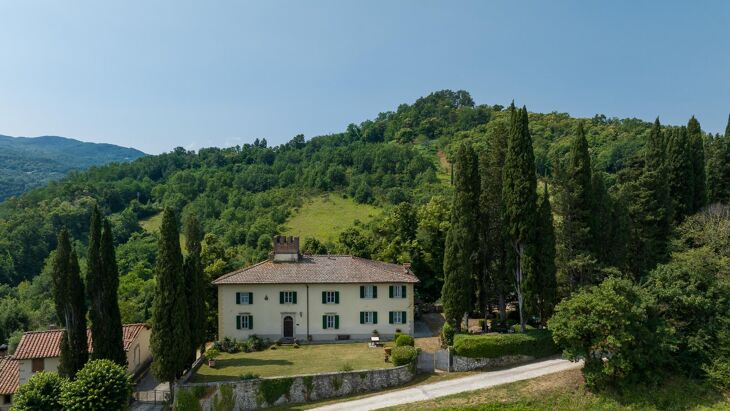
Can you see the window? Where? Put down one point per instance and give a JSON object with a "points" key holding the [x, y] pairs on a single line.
{"points": [[37, 365], [8, 398], [330, 321], [244, 322], [368, 317], [397, 317], [330, 297], [244, 298], [397, 291], [288, 297], [368, 291]]}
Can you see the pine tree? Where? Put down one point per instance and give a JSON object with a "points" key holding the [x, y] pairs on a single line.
{"points": [[649, 209], [110, 344], [542, 297], [697, 149], [68, 293], [461, 256], [577, 206], [680, 174], [519, 185], [170, 340], [195, 282]]}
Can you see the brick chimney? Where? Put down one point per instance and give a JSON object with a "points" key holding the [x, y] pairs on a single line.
{"points": [[286, 249]]}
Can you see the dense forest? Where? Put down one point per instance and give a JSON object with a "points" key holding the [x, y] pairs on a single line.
{"points": [[26, 163], [400, 161]]}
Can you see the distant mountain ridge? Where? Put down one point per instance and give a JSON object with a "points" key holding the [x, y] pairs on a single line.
{"points": [[27, 162]]}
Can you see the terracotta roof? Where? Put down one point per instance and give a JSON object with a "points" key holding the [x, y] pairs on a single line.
{"points": [[322, 269], [47, 344], [8, 375]]}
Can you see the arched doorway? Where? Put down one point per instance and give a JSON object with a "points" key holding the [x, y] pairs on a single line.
{"points": [[288, 327]]}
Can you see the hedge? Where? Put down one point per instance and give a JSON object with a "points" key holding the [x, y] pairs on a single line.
{"points": [[403, 340], [403, 355], [535, 343]]}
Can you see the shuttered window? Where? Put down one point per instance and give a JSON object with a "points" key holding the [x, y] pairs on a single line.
{"points": [[397, 291], [368, 291], [368, 317], [331, 321], [397, 317], [287, 297], [330, 297], [244, 322], [244, 298]]}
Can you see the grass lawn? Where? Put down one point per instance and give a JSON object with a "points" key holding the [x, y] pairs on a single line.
{"points": [[324, 217], [286, 360], [566, 391]]}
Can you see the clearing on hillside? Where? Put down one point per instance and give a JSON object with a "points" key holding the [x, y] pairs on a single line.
{"points": [[325, 217], [152, 225]]}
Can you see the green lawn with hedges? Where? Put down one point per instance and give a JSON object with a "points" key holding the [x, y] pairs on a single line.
{"points": [[535, 343]]}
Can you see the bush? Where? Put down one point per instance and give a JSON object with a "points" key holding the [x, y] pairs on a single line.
{"points": [[212, 354], [404, 340], [447, 335], [100, 385], [536, 343], [396, 335], [186, 401], [248, 376], [516, 328], [41, 392], [403, 355], [346, 367]]}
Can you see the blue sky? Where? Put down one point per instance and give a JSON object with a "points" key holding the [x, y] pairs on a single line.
{"points": [[159, 74]]}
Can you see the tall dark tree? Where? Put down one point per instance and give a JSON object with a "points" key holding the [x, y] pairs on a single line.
{"points": [[195, 284], [680, 174], [697, 150], [718, 168], [496, 283], [68, 294], [649, 209], [519, 194], [95, 277], [461, 256], [110, 344], [610, 228], [170, 340], [577, 209], [541, 299]]}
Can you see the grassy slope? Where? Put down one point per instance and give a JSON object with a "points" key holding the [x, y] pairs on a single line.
{"points": [[566, 391], [286, 360], [325, 216], [152, 225]]}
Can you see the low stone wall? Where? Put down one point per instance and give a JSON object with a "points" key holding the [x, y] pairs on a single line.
{"points": [[266, 392], [468, 364]]}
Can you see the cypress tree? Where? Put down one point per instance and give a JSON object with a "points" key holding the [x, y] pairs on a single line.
{"points": [[519, 185], [680, 174], [110, 344], [195, 284], [697, 150], [542, 297], [461, 255], [577, 208], [68, 293], [718, 168], [95, 279], [650, 209], [170, 340]]}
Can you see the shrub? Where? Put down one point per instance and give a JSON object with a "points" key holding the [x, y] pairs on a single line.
{"points": [[447, 335], [346, 367], [535, 343], [255, 343], [186, 401], [212, 354], [295, 345], [403, 355], [516, 328], [100, 385], [248, 376], [404, 340], [396, 335], [271, 390], [41, 392]]}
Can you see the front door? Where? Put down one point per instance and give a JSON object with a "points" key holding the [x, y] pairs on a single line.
{"points": [[288, 327]]}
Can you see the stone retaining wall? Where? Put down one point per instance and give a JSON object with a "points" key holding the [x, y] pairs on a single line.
{"points": [[253, 394], [468, 364]]}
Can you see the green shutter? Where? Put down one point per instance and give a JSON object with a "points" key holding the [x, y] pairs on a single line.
{"points": [[337, 297], [337, 322], [375, 317], [324, 297], [324, 322], [250, 322], [250, 298], [281, 297], [362, 291], [238, 298], [375, 291], [403, 291], [362, 317], [403, 317], [294, 297], [238, 322], [390, 291], [390, 317]]}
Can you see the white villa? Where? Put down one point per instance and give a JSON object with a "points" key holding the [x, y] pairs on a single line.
{"points": [[320, 297]]}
